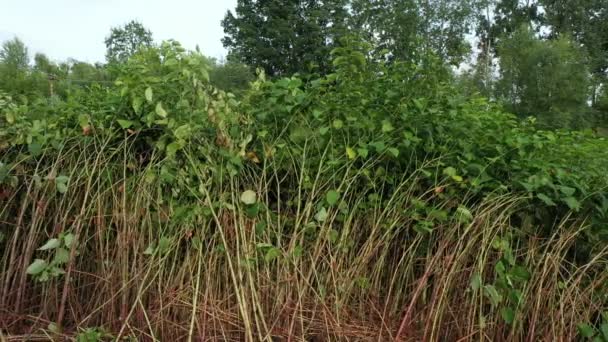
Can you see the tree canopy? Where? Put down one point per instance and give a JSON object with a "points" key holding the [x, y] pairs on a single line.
{"points": [[125, 40], [285, 37]]}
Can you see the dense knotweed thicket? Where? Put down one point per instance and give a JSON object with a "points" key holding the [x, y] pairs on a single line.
{"points": [[372, 203]]}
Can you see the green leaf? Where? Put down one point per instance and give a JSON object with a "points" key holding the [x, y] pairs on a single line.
{"points": [[61, 256], [338, 124], [150, 249], [508, 315], [271, 254], [546, 199], [457, 178], [566, 190], [249, 197], [137, 103], [35, 149], [520, 273], [393, 151], [125, 123], [260, 227], [68, 239], [476, 282], [160, 111], [491, 292], [387, 126], [585, 330], [424, 227], [363, 152], [321, 215], [83, 120], [36, 267], [252, 210], [323, 130], [10, 117], [183, 132], [61, 183], [173, 148], [52, 327], [604, 330], [464, 214], [351, 153], [51, 244], [333, 235], [148, 94], [332, 197], [62, 188], [572, 203], [450, 171], [164, 244]]}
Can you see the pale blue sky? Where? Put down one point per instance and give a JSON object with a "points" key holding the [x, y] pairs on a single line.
{"points": [[77, 28]]}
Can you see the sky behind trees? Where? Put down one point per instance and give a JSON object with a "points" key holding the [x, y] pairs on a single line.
{"points": [[76, 29]]}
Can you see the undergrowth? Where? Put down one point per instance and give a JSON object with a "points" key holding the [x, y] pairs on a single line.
{"points": [[369, 204]]}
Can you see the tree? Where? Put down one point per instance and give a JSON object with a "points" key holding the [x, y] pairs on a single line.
{"points": [[587, 22], [285, 37], [14, 55], [408, 28], [508, 17], [546, 79], [43, 64], [124, 41], [14, 67]]}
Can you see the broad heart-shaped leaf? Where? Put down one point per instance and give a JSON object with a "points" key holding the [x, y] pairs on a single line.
{"points": [[83, 120], [125, 123], [321, 215], [450, 171], [393, 151], [61, 183], [546, 199], [148, 94], [585, 330], [519, 273], [508, 315], [10, 117], [492, 294], [332, 197], [249, 197], [61, 256], [351, 153], [566, 190], [387, 126], [51, 244], [150, 249], [160, 111], [68, 239], [36, 267], [458, 178], [137, 103], [272, 254], [164, 244], [572, 203], [62, 188], [476, 282], [35, 149], [363, 152], [54, 328]]}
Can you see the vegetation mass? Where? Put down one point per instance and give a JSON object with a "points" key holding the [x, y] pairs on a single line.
{"points": [[349, 173]]}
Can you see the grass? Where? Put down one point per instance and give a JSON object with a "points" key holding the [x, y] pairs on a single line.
{"points": [[149, 265]]}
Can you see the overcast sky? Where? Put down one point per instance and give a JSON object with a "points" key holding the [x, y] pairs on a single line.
{"points": [[77, 28]]}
